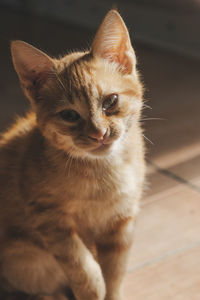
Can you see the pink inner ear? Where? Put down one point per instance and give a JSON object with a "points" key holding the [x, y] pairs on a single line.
{"points": [[36, 73], [31, 64], [112, 42], [119, 56]]}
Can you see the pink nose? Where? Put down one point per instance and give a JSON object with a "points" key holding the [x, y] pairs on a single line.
{"points": [[98, 135]]}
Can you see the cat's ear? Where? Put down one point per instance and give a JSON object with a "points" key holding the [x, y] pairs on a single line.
{"points": [[32, 65], [112, 42]]}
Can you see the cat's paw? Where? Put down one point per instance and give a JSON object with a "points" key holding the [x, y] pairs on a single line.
{"points": [[97, 282], [94, 288]]}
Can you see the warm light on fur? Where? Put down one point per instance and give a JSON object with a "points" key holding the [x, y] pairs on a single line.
{"points": [[69, 190]]}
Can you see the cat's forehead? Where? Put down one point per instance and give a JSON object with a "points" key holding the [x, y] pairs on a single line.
{"points": [[69, 59], [88, 78]]}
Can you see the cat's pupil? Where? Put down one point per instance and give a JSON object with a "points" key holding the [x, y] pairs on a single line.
{"points": [[110, 102], [69, 115]]}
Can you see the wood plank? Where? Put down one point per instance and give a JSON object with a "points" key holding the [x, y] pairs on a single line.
{"points": [[174, 278], [157, 184], [169, 224], [188, 170]]}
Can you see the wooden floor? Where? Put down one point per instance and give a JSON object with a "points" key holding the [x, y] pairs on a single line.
{"points": [[165, 259]]}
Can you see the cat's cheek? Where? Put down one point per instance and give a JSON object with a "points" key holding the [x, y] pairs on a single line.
{"points": [[62, 142], [129, 120], [58, 140], [117, 145]]}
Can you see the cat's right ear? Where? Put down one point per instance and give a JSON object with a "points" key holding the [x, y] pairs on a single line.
{"points": [[32, 65]]}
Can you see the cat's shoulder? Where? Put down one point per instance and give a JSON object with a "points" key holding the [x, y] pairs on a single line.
{"points": [[14, 141], [18, 130]]}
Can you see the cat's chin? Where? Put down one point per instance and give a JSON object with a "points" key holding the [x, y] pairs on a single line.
{"points": [[106, 150], [95, 153], [98, 152], [102, 149]]}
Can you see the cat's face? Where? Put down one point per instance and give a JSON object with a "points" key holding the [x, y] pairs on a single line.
{"points": [[85, 102], [89, 109]]}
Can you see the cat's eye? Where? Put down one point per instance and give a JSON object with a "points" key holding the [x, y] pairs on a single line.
{"points": [[110, 102], [69, 115]]}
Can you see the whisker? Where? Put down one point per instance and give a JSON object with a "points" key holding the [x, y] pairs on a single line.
{"points": [[59, 80], [148, 139], [61, 83], [69, 162], [150, 119], [147, 106]]}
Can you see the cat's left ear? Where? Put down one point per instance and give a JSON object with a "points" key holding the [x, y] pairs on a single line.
{"points": [[112, 42]]}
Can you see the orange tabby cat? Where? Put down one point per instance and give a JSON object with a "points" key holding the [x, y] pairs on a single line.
{"points": [[72, 170]]}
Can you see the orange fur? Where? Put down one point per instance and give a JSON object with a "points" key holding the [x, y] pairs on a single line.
{"points": [[69, 190]]}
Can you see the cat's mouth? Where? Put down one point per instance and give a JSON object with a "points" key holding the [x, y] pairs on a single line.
{"points": [[100, 149]]}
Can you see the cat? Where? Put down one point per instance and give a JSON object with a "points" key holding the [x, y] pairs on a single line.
{"points": [[72, 171]]}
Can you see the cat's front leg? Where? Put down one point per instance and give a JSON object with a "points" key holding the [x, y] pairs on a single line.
{"points": [[113, 249], [83, 272], [26, 268]]}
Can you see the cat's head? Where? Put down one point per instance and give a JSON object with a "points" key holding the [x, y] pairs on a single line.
{"points": [[85, 102]]}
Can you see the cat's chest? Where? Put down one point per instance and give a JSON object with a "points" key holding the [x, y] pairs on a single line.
{"points": [[87, 184], [94, 199]]}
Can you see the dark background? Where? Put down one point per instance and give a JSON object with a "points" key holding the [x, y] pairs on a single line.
{"points": [[165, 37]]}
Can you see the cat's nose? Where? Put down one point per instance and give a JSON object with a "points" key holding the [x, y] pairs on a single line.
{"points": [[98, 136]]}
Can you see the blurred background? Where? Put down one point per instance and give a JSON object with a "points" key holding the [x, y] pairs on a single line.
{"points": [[165, 260]]}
